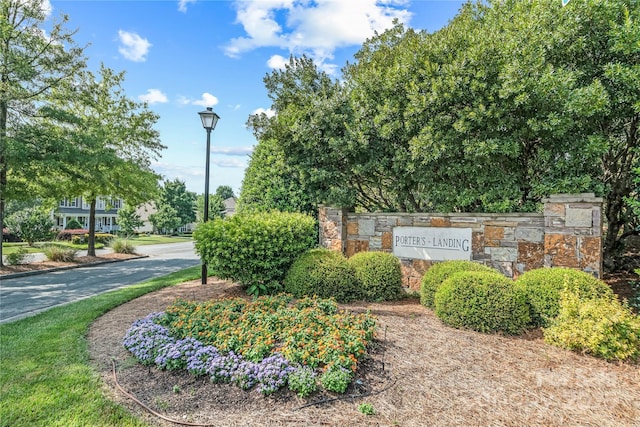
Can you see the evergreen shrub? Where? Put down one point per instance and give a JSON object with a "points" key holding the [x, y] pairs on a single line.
{"points": [[379, 275], [323, 273], [603, 327], [484, 301], [103, 238], [544, 285], [17, 257], [73, 224], [438, 273], [68, 234], [255, 249]]}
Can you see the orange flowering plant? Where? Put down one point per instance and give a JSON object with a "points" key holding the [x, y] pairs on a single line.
{"points": [[311, 332]]}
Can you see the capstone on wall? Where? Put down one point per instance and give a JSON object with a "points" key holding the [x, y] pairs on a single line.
{"points": [[568, 233]]}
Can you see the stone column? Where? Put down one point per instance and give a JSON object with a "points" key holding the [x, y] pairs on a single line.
{"points": [[332, 228], [573, 232]]}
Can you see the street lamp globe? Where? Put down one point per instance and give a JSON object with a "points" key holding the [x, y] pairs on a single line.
{"points": [[209, 119]]}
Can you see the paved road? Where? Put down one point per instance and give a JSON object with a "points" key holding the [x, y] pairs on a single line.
{"points": [[26, 296]]}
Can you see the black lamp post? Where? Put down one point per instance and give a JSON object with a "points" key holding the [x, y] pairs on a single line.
{"points": [[209, 121]]}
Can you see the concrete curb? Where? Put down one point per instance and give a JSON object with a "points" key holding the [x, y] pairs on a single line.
{"points": [[66, 267]]}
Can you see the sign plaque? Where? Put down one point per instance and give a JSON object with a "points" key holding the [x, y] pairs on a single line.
{"points": [[432, 243]]}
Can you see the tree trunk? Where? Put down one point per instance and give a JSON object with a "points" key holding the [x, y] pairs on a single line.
{"points": [[613, 214], [3, 168], [91, 241]]}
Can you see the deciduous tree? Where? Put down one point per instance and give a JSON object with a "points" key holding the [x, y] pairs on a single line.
{"points": [[174, 193], [32, 62], [110, 141]]}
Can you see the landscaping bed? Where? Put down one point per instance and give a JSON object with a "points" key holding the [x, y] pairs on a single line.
{"points": [[49, 265], [420, 372]]}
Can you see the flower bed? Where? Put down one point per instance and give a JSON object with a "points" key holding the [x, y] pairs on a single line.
{"points": [[259, 343]]}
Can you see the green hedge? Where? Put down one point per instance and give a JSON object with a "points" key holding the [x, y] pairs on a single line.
{"points": [[438, 273], [543, 287], [484, 301], [323, 273], [379, 275], [255, 249]]}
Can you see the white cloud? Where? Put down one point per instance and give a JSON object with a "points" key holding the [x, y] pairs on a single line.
{"points": [[269, 112], [232, 151], [315, 28], [207, 100], [228, 163], [182, 5], [153, 96], [134, 47], [277, 62]]}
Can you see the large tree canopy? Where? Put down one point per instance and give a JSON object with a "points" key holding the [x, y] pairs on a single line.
{"points": [[511, 101], [32, 62], [108, 141]]}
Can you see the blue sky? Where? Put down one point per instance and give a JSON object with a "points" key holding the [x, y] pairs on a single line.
{"points": [[183, 56]]}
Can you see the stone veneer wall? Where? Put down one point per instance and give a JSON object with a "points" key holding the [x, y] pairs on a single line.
{"points": [[567, 234]]}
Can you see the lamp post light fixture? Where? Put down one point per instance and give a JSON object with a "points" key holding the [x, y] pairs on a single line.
{"points": [[209, 120]]}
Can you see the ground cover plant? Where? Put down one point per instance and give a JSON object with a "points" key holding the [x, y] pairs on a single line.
{"points": [[45, 371], [259, 343]]}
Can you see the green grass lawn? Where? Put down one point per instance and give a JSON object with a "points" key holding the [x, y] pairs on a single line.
{"points": [[45, 377], [156, 239]]}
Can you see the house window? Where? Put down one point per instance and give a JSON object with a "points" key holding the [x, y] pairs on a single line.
{"points": [[69, 203]]}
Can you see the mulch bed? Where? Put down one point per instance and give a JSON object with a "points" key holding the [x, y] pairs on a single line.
{"points": [[48, 265], [420, 372]]}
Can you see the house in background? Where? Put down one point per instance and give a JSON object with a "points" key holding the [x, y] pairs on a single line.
{"points": [[143, 211], [229, 206], [77, 208], [107, 214]]}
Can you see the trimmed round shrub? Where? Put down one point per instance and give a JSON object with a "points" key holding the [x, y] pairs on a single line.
{"points": [[543, 287], [379, 275], [73, 224], [602, 327], [484, 301], [438, 273], [255, 249], [323, 273]]}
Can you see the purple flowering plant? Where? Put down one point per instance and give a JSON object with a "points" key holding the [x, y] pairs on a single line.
{"points": [[254, 344]]}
